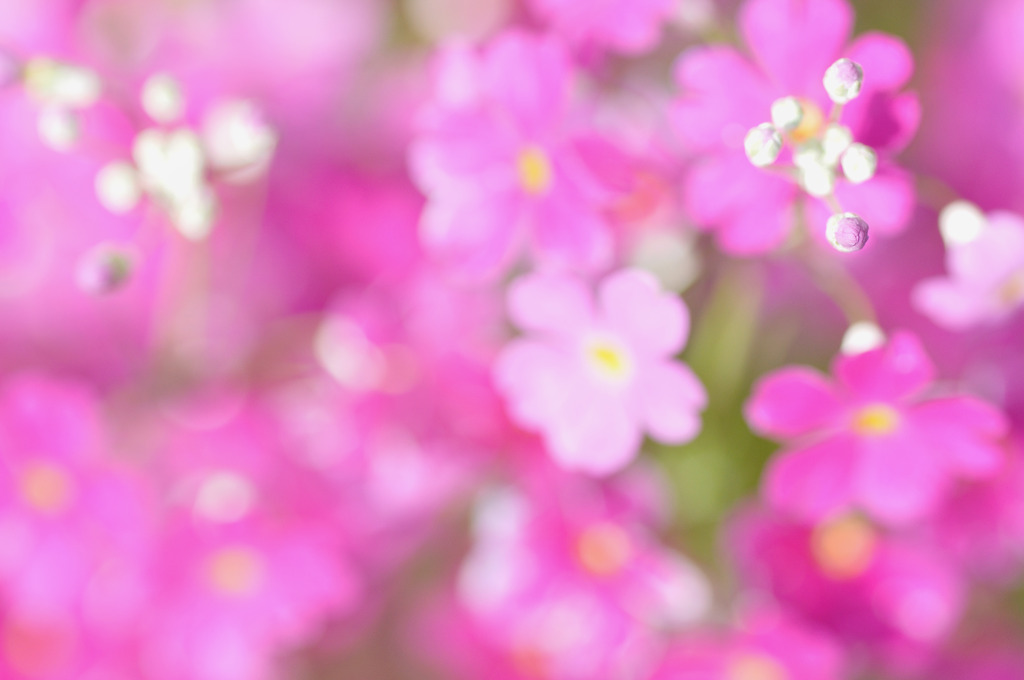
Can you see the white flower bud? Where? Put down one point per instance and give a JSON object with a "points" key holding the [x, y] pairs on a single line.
{"points": [[787, 113], [818, 179], [162, 98], [843, 81], [763, 145], [859, 163], [961, 222], [836, 140], [117, 187], [58, 128], [862, 336]]}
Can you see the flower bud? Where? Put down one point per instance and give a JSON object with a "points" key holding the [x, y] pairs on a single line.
{"points": [[763, 145], [862, 336], [960, 222], [835, 140], [162, 98], [846, 232], [787, 113], [105, 268], [117, 187], [843, 81], [859, 163]]}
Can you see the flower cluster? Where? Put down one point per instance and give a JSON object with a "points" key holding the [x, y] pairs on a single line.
{"points": [[514, 339]]}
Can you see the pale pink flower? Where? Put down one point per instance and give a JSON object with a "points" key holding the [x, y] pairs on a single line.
{"points": [[592, 375]]}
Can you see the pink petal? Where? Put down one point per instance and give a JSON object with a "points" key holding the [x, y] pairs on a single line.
{"points": [[884, 121], [568, 231], [528, 76], [475, 239], [796, 40], [813, 482], [719, 89], [886, 60], [967, 430], [550, 303], [886, 201], [951, 304], [899, 478], [633, 304], [533, 379], [593, 432], [792, 402], [890, 373], [671, 398], [750, 208]]}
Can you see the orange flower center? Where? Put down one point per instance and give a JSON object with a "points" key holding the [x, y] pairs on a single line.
{"points": [[235, 571], [604, 549], [756, 666], [811, 124], [844, 548], [46, 487]]}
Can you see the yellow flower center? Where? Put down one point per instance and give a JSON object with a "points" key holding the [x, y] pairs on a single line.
{"points": [[609, 360], [811, 124], [756, 666], [46, 488], [534, 170], [876, 420], [603, 549], [235, 571], [844, 548]]}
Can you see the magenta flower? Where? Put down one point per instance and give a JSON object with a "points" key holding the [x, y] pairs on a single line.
{"points": [[593, 375], [765, 646], [894, 595], [872, 439], [725, 94], [985, 261], [629, 26], [495, 158]]}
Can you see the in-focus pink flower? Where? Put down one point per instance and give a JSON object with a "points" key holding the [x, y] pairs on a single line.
{"points": [[630, 26], [496, 160], [724, 94], [593, 375], [873, 438], [985, 261]]}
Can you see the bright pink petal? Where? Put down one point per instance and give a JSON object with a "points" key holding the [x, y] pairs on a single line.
{"points": [[884, 121], [750, 209], [719, 91], [890, 373], [792, 402], [796, 40], [886, 60], [550, 303], [899, 478], [633, 304], [815, 481], [886, 201], [671, 398], [967, 430]]}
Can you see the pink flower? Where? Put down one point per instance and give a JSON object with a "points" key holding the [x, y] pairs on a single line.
{"points": [[765, 646], [897, 597], [496, 160], [985, 261], [629, 26], [593, 375], [872, 439], [725, 94]]}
